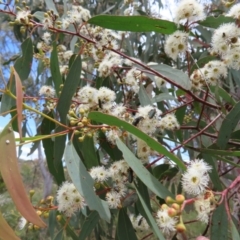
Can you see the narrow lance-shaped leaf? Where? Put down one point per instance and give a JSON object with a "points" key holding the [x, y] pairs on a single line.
{"points": [[176, 75], [234, 231], [134, 24], [10, 173], [149, 180], [150, 218], [23, 68], [143, 97], [228, 126], [84, 182], [114, 121], [88, 225], [219, 225], [125, 229], [6, 231], [64, 102], [55, 71], [19, 102], [215, 22], [51, 6]]}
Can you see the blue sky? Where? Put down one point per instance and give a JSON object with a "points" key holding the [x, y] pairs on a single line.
{"points": [[25, 148]]}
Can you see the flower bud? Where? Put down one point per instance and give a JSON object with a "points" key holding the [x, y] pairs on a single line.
{"points": [[172, 212], [35, 227], [175, 206], [180, 199], [164, 206], [169, 200], [31, 192], [39, 213], [180, 228], [46, 214]]}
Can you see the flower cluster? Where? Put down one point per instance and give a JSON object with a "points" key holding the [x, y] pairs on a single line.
{"points": [[91, 98], [47, 91], [116, 176], [176, 43], [166, 223], [226, 43], [195, 180], [210, 74], [204, 206], [189, 11], [69, 199]]}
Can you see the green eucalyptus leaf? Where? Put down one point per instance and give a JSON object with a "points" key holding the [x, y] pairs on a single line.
{"points": [[125, 230], [114, 121], [234, 231], [51, 6], [143, 174], [160, 169], [70, 86], [24, 63], [163, 97], [23, 67], [59, 145], [60, 235], [215, 22], [220, 92], [213, 174], [219, 224], [52, 223], [88, 225], [176, 75], [39, 15], [89, 152], [143, 97], [84, 182], [54, 67], [151, 221], [134, 24], [228, 126], [46, 128]]}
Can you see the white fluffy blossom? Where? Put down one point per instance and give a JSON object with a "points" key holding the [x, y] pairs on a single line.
{"points": [[168, 122], [210, 74], [47, 91], [165, 222], [78, 15], [195, 180], [109, 61], [88, 96], [113, 199], [203, 207], [147, 119], [176, 43], [69, 199], [47, 38], [132, 79], [23, 15], [47, 22], [22, 223], [106, 95], [160, 82], [224, 38], [118, 167], [234, 11], [99, 174], [189, 10]]}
